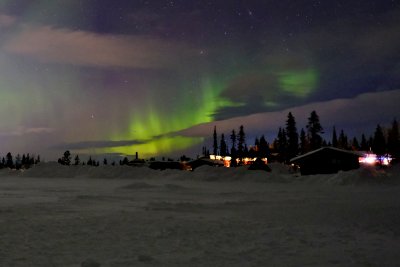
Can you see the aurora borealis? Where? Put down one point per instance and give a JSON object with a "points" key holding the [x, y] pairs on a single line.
{"points": [[116, 77]]}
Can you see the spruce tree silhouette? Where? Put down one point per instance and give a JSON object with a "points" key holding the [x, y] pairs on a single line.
{"points": [[77, 160], [90, 161], [215, 142], [394, 140], [233, 140], [292, 137], [66, 159], [18, 162], [263, 151], [241, 142], [379, 143], [364, 144], [315, 130], [9, 161], [342, 141], [304, 144], [334, 138], [355, 145], [222, 146], [280, 145]]}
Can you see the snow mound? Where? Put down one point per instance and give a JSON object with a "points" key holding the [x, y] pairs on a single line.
{"points": [[280, 173], [55, 170], [369, 175], [363, 176]]}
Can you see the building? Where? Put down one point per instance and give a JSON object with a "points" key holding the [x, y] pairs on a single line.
{"points": [[327, 160]]}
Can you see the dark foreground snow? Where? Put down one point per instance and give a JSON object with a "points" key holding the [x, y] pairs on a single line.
{"points": [[54, 216]]}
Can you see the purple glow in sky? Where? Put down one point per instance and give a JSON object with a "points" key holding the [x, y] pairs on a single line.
{"points": [[116, 77]]}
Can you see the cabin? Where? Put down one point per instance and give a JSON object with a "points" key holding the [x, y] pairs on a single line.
{"points": [[326, 160]]}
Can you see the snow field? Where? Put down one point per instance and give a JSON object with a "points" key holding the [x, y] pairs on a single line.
{"points": [[54, 215]]}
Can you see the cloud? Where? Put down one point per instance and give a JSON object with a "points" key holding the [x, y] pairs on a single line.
{"points": [[365, 110], [7, 21], [47, 44], [20, 131], [280, 81], [99, 144]]}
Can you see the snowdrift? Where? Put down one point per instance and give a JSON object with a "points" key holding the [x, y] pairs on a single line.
{"points": [[280, 174], [54, 215]]}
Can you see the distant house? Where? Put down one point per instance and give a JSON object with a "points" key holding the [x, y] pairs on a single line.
{"points": [[327, 160]]}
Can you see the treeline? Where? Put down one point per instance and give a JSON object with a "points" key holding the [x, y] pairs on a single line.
{"points": [[290, 143], [66, 159], [24, 162]]}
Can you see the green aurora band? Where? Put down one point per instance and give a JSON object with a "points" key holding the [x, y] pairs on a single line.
{"points": [[155, 129], [300, 83]]}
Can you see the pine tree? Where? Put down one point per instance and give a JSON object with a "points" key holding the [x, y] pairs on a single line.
{"points": [[263, 150], [304, 145], [292, 137], [364, 144], [215, 142], [354, 144], [77, 160], [253, 151], [66, 159], [125, 161], [343, 142], [233, 140], [18, 162], [257, 143], [379, 143], [30, 159], [334, 138], [245, 151], [9, 161], [24, 160], [315, 130], [223, 147], [281, 144], [394, 140], [241, 141], [370, 143]]}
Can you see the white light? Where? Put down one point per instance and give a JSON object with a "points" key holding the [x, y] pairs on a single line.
{"points": [[385, 161], [370, 159]]}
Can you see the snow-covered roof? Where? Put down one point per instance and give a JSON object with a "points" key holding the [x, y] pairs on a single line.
{"points": [[324, 148]]}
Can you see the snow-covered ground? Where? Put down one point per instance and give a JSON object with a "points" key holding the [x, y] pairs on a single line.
{"points": [[54, 215]]}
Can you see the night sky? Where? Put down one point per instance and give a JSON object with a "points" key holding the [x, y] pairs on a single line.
{"points": [[116, 77]]}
